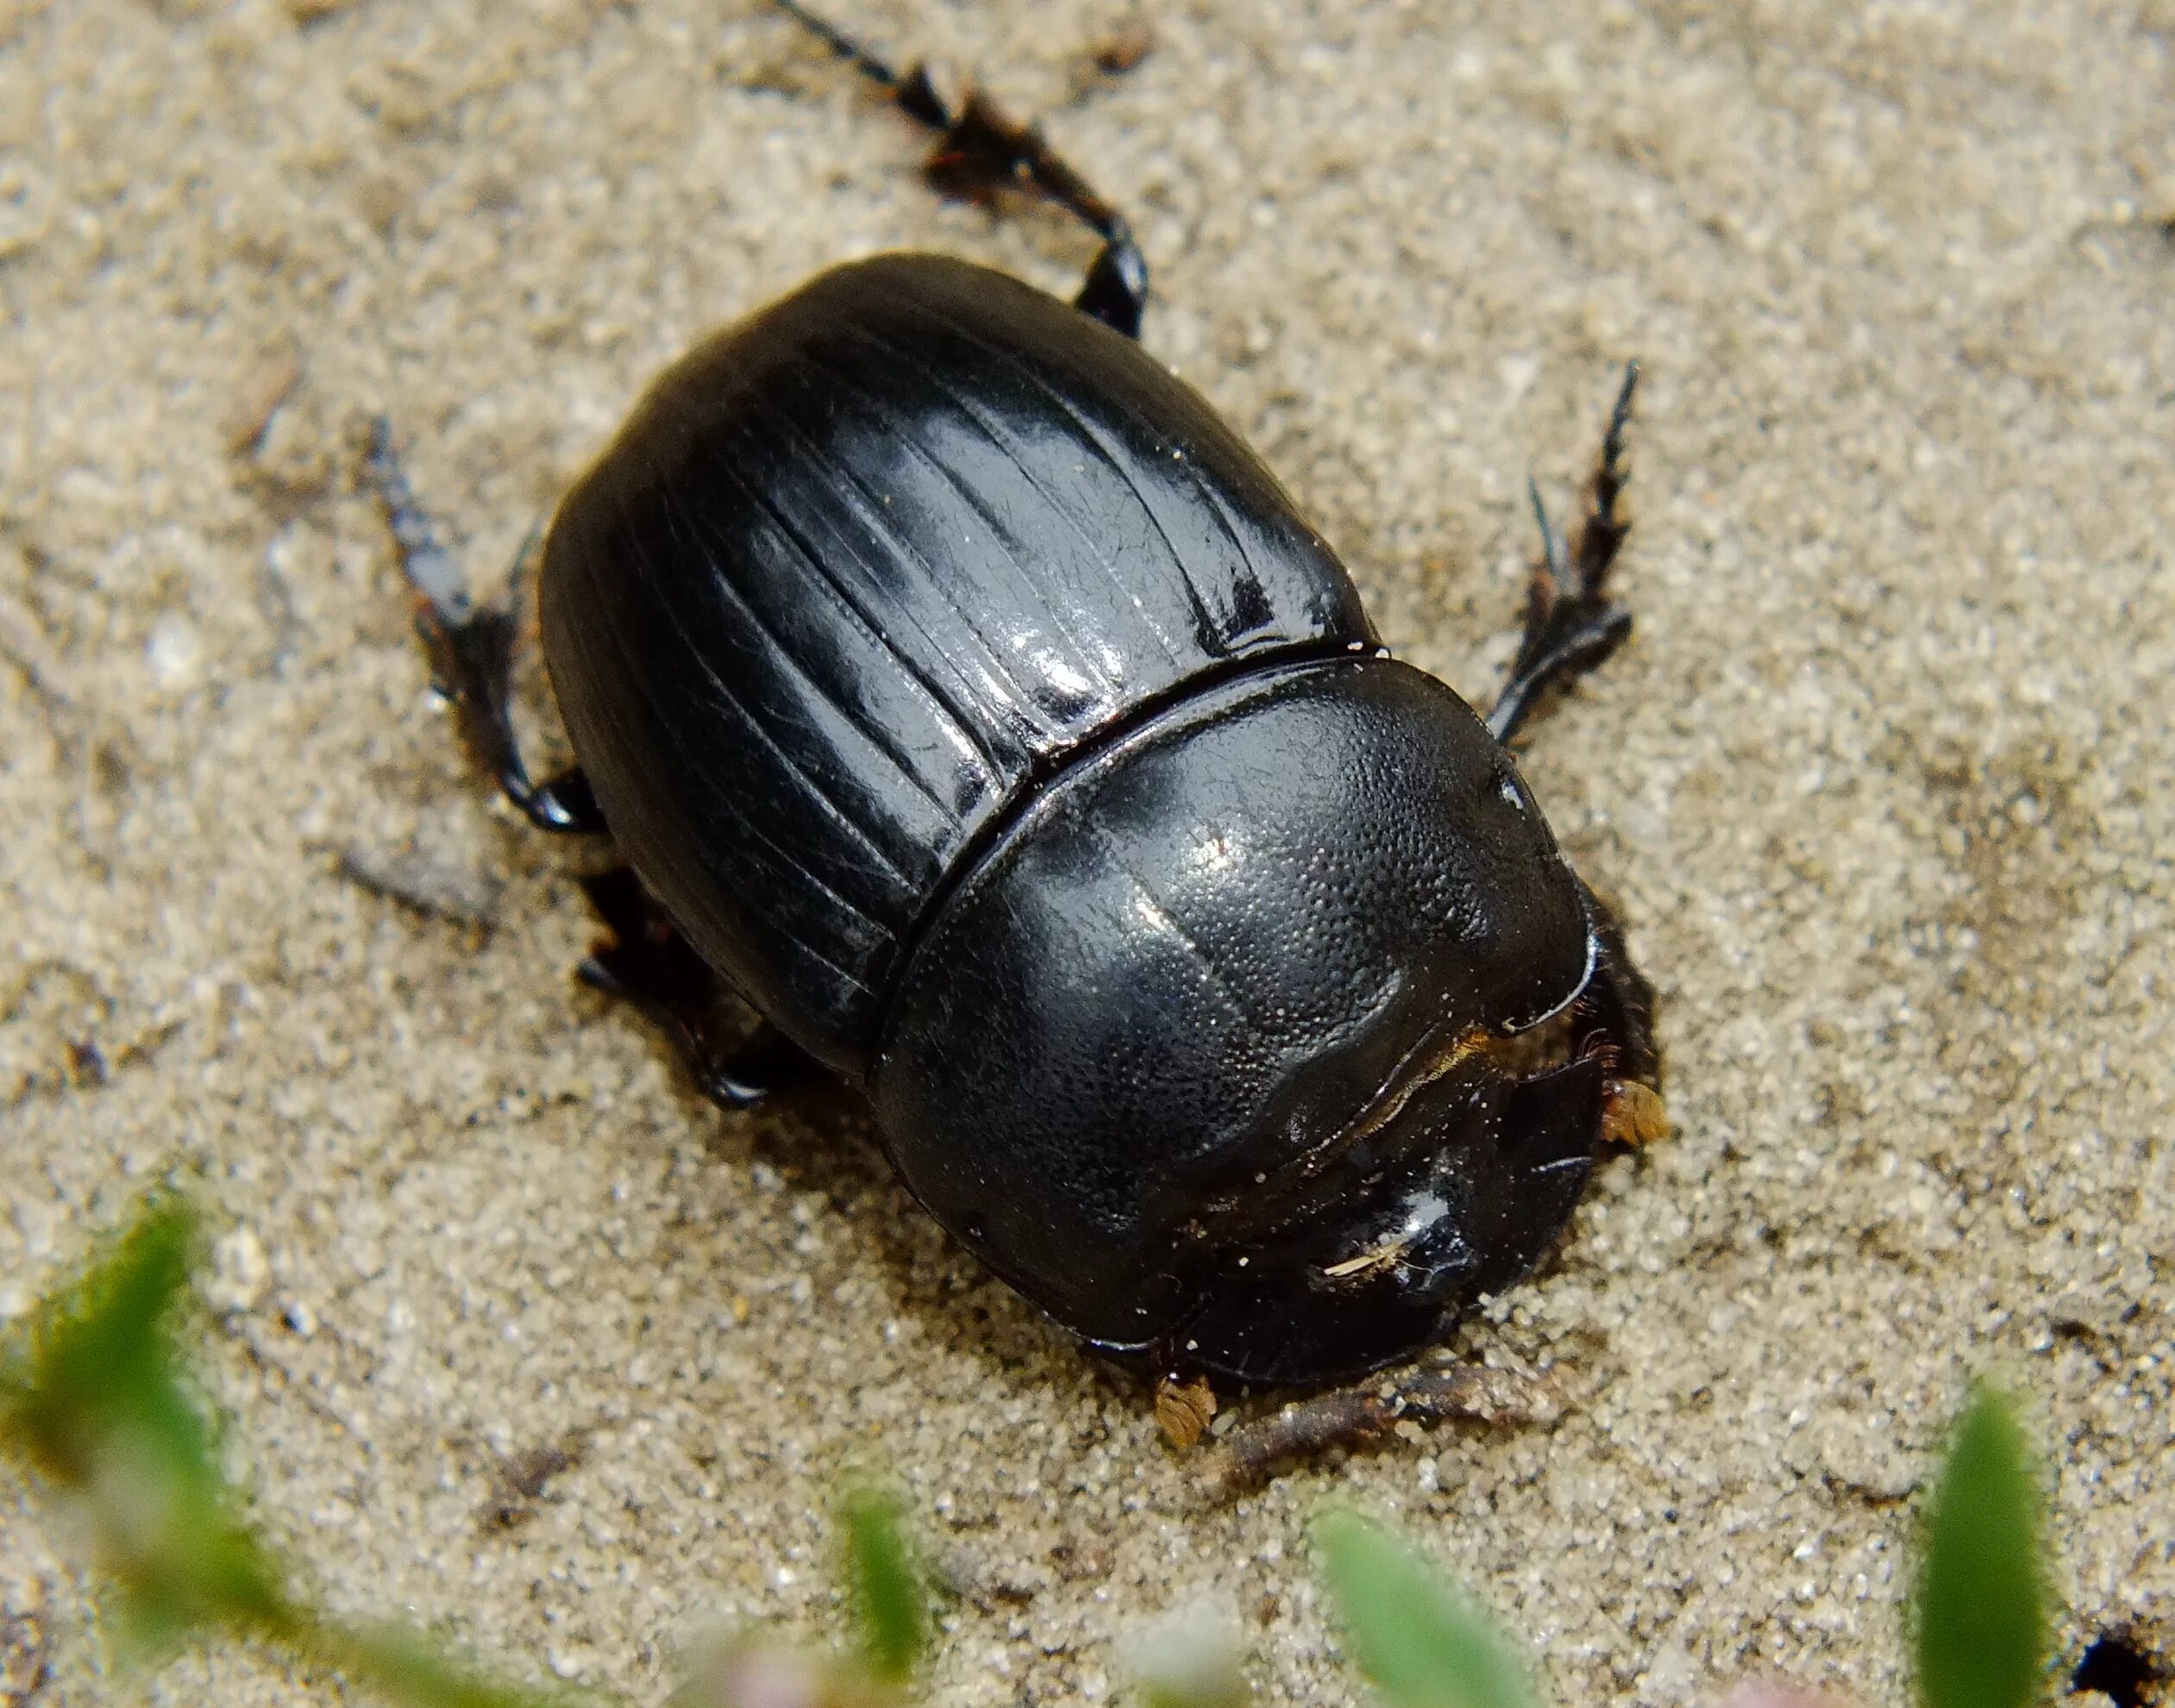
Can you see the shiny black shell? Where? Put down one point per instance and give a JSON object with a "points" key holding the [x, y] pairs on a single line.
{"points": [[864, 569], [983, 710]]}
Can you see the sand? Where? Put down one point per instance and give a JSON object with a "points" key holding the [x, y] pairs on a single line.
{"points": [[1881, 783]]}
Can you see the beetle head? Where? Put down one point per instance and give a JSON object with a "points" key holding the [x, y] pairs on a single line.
{"points": [[1455, 1193]]}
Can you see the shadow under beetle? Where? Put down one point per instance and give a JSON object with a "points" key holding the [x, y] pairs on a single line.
{"points": [[967, 699]]}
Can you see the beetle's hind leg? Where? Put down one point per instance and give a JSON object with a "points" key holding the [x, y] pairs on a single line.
{"points": [[980, 150], [646, 962], [471, 649], [1571, 623]]}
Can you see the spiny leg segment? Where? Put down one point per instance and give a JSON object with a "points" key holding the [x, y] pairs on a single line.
{"points": [[1571, 624], [471, 648]]}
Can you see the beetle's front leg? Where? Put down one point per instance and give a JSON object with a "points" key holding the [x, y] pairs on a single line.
{"points": [[1369, 1411], [980, 149], [646, 962], [1571, 625], [471, 649]]}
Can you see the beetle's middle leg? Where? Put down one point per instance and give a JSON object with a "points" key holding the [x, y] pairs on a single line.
{"points": [[1571, 623], [471, 647], [646, 962], [980, 149]]}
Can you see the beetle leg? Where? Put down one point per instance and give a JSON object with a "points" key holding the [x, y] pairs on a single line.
{"points": [[1615, 1019], [1571, 625], [1615, 1014], [980, 149], [1367, 1413], [471, 648], [646, 962]]}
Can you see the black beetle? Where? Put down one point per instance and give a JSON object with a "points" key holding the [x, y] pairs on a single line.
{"points": [[968, 700]]}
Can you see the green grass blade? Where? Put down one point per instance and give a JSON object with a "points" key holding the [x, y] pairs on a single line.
{"points": [[89, 1397], [94, 1355], [1411, 1634], [92, 1398], [890, 1605], [1982, 1615]]}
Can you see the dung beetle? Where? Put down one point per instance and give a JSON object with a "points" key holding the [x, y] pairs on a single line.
{"points": [[968, 701]]}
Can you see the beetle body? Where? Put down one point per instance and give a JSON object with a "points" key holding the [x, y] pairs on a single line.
{"points": [[984, 714]]}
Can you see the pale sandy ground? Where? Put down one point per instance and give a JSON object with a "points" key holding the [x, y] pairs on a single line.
{"points": [[1883, 784]]}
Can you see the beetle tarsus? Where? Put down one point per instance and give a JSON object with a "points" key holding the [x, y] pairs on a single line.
{"points": [[1571, 624], [1368, 1412], [1116, 290], [1604, 530], [981, 150], [646, 962], [564, 802], [875, 70], [471, 648]]}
